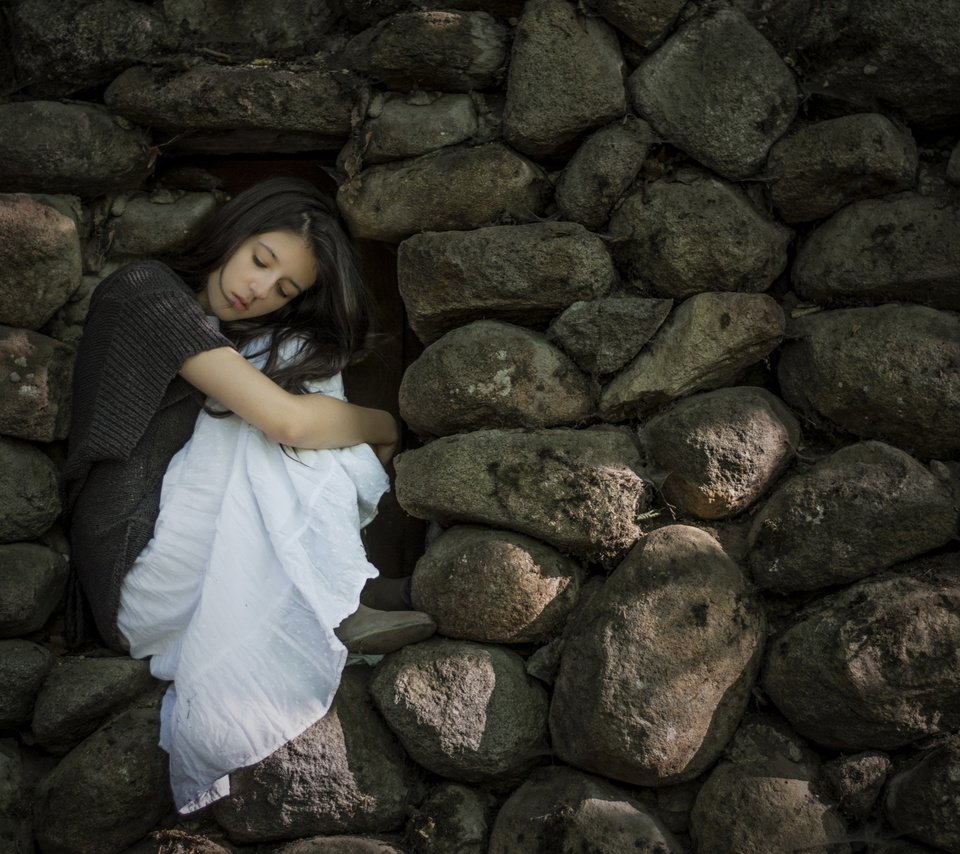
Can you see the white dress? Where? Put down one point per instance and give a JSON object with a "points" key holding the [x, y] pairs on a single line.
{"points": [[256, 558]]}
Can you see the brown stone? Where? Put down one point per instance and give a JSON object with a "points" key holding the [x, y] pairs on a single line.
{"points": [[35, 377]]}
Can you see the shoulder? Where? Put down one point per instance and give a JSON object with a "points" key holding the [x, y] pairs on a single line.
{"points": [[140, 280]]}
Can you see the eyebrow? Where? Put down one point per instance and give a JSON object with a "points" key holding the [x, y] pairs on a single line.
{"points": [[275, 258]]}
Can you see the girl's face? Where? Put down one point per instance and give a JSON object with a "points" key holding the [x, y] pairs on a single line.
{"points": [[264, 274]]}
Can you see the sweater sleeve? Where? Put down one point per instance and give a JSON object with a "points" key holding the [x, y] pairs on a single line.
{"points": [[144, 322]]}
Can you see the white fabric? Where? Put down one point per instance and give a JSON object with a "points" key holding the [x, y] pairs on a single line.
{"points": [[256, 558]]}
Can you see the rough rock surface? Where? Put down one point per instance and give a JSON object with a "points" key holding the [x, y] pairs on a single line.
{"points": [[576, 489], [519, 589], [923, 800], [714, 454], [656, 672], [69, 148], [771, 778], [890, 372], [39, 261], [717, 90], [29, 492], [463, 710], [35, 377], [855, 782], [953, 166], [399, 125], [339, 845], [602, 335], [80, 692], [519, 273], [565, 78], [345, 774], [707, 341], [562, 809], [63, 46], [454, 188], [825, 165], [15, 835], [32, 582], [695, 233], [450, 50], [601, 170], [860, 510], [23, 667], [177, 841], [871, 667], [453, 819], [493, 374], [66, 325], [645, 23], [151, 226], [902, 248], [107, 792]]}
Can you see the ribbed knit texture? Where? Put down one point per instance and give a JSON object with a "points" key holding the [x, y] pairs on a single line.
{"points": [[131, 414]]}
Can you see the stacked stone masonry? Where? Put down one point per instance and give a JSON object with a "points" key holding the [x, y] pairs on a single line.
{"points": [[687, 276]]}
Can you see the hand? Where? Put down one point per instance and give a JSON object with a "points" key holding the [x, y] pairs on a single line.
{"points": [[385, 452]]}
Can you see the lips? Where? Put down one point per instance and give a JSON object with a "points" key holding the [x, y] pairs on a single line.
{"points": [[238, 303]]}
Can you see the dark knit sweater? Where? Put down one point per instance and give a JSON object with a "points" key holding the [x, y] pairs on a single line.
{"points": [[131, 414]]}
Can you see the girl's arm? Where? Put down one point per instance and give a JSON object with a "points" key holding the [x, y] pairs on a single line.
{"points": [[313, 421]]}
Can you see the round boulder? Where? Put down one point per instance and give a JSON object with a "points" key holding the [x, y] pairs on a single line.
{"points": [[657, 670], [39, 261], [645, 23], [32, 582], [462, 710], [888, 373], [695, 233], [29, 491], [161, 224], [873, 666], [714, 454], [561, 809], [493, 374], [862, 509], [23, 667], [519, 589]]}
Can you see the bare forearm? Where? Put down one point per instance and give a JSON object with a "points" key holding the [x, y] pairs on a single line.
{"points": [[326, 422]]}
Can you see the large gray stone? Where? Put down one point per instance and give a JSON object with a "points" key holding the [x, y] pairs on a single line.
{"points": [[48, 147], [714, 454], [707, 341], [29, 492], [873, 666], [161, 224], [63, 46], [227, 109], [80, 692], [518, 273], [454, 188], [823, 166], [35, 385], [602, 335], [32, 581], [345, 774], [449, 50], [603, 167], [107, 792], [860, 510], [881, 250], [717, 90], [519, 589], [695, 233], [15, 835], [645, 22], [493, 374], [656, 672], [765, 797], [887, 373], [561, 809], [39, 261], [463, 710], [23, 667], [576, 489], [923, 799], [453, 819], [566, 78]]}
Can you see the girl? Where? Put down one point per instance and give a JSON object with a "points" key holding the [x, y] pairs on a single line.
{"points": [[231, 558]]}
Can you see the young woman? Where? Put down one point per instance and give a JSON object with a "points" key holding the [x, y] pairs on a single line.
{"points": [[226, 546]]}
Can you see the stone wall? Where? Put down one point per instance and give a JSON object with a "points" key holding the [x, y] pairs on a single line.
{"points": [[688, 275]]}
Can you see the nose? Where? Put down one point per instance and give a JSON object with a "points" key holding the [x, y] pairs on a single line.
{"points": [[259, 288]]}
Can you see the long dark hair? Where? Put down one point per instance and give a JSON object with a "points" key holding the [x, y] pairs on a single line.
{"points": [[330, 320]]}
